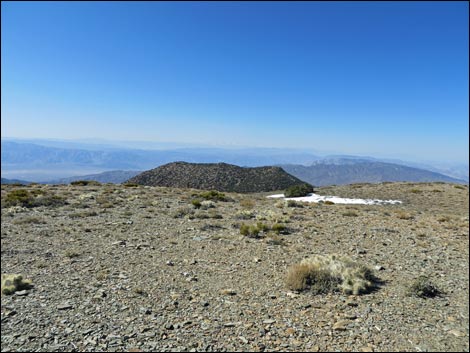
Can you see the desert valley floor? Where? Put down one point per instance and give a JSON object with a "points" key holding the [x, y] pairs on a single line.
{"points": [[118, 268]]}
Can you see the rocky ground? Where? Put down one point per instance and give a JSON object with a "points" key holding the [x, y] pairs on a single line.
{"points": [[138, 269]]}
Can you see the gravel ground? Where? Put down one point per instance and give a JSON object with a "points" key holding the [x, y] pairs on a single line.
{"points": [[139, 269]]}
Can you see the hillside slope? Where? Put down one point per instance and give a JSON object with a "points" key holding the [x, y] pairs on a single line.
{"points": [[217, 176], [113, 176]]}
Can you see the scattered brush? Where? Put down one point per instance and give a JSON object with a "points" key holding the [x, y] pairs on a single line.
{"points": [[350, 214], [423, 288], [35, 198], [293, 203], [247, 203], [325, 274]]}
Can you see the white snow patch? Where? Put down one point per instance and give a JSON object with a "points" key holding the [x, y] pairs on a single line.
{"points": [[336, 199]]}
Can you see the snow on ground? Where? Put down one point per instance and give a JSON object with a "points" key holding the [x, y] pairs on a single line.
{"points": [[336, 199]]}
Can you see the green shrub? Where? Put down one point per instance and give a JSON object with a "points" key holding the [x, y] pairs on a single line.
{"points": [[244, 229], [12, 283], [130, 185], [85, 182], [262, 227], [24, 198], [279, 228], [213, 196], [19, 197], [196, 203], [253, 230], [299, 190]]}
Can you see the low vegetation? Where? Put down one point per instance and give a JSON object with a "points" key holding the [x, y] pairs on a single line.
{"points": [[422, 287], [254, 230], [325, 274], [85, 183], [12, 283], [213, 196], [33, 198]]}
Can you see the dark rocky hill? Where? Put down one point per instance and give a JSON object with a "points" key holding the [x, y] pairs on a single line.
{"points": [[217, 176]]}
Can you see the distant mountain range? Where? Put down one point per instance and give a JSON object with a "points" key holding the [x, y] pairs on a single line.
{"points": [[52, 164], [14, 181], [217, 176], [42, 163], [348, 171]]}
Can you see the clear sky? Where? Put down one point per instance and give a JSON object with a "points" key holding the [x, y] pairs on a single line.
{"points": [[375, 78]]}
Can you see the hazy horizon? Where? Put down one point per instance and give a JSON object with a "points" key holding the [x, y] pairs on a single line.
{"points": [[169, 145], [379, 79]]}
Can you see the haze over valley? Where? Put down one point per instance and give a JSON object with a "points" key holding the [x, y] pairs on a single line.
{"points": [[41, 162]]}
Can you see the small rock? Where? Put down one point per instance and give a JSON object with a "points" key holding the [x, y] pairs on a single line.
{"points": [[64, 306], [22, 293], [457, 333], [290, 331], [243, 339], [146, 311], [340, 325], [270, 321], [228, 292]]}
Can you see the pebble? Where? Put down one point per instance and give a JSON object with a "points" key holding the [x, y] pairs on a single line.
{"points": [[22, 293], [243, 339], [64, 306], [341, 325]]}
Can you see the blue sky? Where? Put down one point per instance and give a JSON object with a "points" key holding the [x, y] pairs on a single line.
{"points": [[375, 78]]}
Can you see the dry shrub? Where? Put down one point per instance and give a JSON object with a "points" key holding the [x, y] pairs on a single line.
{"points": [[247, 204], [324, 274], [404, 215], [422, 287], [12, 283]]}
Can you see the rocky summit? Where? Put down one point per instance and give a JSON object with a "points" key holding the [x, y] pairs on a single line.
{"points": [[217, 176], [139, 268]]}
